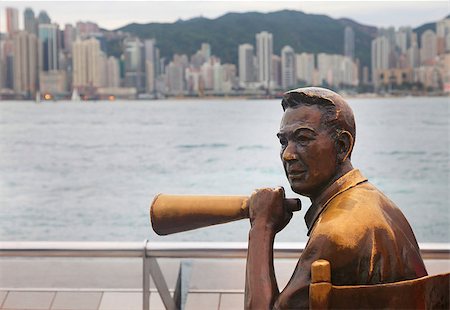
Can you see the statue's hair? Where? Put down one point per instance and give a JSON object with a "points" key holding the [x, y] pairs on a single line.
{"points": [[337, 116]]}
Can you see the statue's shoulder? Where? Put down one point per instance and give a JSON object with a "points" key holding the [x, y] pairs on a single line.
{"points": [[351, 216]]}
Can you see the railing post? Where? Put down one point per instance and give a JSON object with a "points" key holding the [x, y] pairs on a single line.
{"points": [[152, 266], [145, 279]]}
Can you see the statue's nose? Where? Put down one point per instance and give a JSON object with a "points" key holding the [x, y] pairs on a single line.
{"points": [[289, 153]]}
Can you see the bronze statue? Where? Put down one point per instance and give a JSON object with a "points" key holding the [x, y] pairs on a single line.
{"points": [[351, 224]]}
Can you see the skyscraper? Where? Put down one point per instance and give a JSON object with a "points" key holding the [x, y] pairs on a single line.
{"points": [[380, 52], [48, 47], [30, 21], [288, 75], [150, 65], [305, 64], [428, 50], [86, 63], [12, 21], [25, 63], [246, 64], [349, 42], [134, 64], [43, 18], [264, 51]]}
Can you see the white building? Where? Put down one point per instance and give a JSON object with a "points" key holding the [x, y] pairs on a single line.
{"points": [[246, 64], [349, 42], [428, 50], [25, 63], [87, 69], [380, 57], [305, 64], [288, 67], [264, 51]]}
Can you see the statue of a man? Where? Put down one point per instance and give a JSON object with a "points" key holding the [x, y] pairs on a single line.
{"points": [[353, 225]]}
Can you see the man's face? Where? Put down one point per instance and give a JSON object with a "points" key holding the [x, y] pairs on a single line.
{"points": [[308, 151]]}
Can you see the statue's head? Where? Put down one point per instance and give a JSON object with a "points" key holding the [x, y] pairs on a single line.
{"points": [[317, 135]]}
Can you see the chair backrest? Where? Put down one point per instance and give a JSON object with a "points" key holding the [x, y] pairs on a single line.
{"points": [[430, 292]]}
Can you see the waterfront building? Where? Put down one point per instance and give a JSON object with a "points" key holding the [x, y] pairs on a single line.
{"points": [[218, 78], [112, 72], [403, 39], [69, 37], [7, 69], [175, 78], [305, 66], [428, 50], [288, 74], [85, 29], [48, 47], [206, 50], [264, 52], [134, 55], [53, 83], [25, 64], [150, 65], [43, 18], [12, 21], [443, 36], [87, 64], [207, 76], [30, 22], [349, 42], [336, 70], [246, 61], [380, 57], [275, 80]]}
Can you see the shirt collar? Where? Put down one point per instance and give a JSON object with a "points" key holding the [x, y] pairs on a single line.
{"points": [[347, 181]]}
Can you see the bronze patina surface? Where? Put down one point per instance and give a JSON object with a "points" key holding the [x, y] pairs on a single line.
{"points": [[351, 223]]}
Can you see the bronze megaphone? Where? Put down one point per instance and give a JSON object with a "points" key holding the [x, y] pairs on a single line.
{"points": [[176, 213]]}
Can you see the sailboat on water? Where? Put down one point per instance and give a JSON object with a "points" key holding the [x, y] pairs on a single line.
{"points": [[75, 95]]}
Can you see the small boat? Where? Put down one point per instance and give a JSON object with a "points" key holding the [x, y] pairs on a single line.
{"points": [[75, 95]]}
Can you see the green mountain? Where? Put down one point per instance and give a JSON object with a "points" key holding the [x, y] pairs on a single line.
{"points": [[304, 32]]}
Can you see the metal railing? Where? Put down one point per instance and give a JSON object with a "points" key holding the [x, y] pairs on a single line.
{"points": [[150, 251]]}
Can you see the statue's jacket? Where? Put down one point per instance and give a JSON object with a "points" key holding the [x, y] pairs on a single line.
{"points": [[364, 236]]}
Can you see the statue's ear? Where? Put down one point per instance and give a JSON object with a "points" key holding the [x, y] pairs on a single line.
{"points": [[344, 145]]}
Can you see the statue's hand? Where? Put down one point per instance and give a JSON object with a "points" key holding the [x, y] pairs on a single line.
{"points": [[266, 209]]}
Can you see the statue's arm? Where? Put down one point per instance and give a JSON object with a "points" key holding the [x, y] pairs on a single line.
{"points": [[261, 289], [267, 217]]}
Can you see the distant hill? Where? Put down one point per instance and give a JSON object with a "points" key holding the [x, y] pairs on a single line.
{"points": [[304, 32]]}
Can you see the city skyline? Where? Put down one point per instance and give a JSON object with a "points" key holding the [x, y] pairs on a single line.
{"points": [[120, 13]]}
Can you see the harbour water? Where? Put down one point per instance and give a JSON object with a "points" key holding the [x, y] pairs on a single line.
{"points": [[88, 171]]}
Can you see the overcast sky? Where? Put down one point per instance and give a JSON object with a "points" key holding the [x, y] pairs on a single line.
{"points": [[114, 14]]}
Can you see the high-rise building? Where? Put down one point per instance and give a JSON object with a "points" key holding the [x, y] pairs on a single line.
{"points": [[264, 51], [428, 50], [380, 52], [25, 64], [275, 81], [349, 42], [150, 65], [29, 21], [68, 37], [305, 68], [175, 81], [246, 64], [86, 63], [112, 72], [12, 21], [288, 74], [443, 36], [48, 47], [206, 51], [7, 63], [134, 64], [43, 18]]}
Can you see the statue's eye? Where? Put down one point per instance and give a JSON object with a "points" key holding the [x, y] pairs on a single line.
{"points": [[283, 141]]}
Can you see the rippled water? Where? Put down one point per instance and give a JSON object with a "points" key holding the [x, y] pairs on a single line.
{"points": [[88, 171]]}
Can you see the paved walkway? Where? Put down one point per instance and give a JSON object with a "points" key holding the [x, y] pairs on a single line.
{"points": [[116, 283]]}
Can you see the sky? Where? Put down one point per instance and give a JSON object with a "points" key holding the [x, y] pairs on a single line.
{"points": [[114, 14]]}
